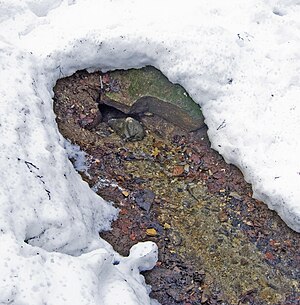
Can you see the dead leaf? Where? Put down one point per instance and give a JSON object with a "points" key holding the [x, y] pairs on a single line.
{"points": [[155, 152]]}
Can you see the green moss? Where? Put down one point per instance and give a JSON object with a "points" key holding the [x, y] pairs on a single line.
{"points": [[148, 81]]}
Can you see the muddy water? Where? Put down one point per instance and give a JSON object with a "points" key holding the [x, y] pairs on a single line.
{"points": [[202, 213]]}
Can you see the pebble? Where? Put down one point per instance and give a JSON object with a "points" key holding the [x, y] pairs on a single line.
{"points": [[167, 226], [235, 195], [144, 199], [129, 128], [223, 217], [151, 232], [178, 170], [174, 293]]}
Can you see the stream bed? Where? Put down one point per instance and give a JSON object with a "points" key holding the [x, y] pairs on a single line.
{"points": [[217, 245]]}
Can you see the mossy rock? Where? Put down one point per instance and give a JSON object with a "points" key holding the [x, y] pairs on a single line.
{"points": [[148, 90]]}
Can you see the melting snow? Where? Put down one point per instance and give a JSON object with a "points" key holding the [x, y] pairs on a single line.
{"points": [[238, 59]]}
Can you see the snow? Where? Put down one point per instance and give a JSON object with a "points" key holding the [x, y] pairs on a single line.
{"points": [[238, 59], [78, 157]]}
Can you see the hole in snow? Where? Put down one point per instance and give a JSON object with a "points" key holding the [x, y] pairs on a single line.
{"points": [[141, 144]]}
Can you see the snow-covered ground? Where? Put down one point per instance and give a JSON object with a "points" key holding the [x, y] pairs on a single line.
{"points": [[238, 59]]}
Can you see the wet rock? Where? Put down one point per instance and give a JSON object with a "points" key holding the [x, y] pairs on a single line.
{"points": [[175, 294], [144, 199], [128, 129], [147, 91]]}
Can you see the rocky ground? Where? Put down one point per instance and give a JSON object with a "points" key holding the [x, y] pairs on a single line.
{"points": [[217, 245]]}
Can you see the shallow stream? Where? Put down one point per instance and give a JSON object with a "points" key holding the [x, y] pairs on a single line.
{"points": [[217, 244]]}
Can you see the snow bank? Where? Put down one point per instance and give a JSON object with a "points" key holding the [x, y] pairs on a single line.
{"points": [[238, 60]]}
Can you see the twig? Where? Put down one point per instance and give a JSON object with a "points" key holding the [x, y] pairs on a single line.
{"points": [[101, 82], [222, 125]]}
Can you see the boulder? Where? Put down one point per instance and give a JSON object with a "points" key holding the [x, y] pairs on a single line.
{"points": [[147, 90]]}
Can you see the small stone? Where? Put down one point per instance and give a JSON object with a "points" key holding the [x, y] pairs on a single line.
{"points": [[204, 298], [132, 237], [178, 170], [249, 223], [235, 195], [125, 193], [128, 129], [269, 256], [167, 226], [134, 131], [197, 191], [151, 232], [223, 216], [234, 260], [195, 158], [174, 293], [148, 113], [175, 238], [186, 168], [244, 261], [144, 199]]}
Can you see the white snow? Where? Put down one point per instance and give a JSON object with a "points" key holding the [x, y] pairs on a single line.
{"points": [[238, 59], [78, 157]]}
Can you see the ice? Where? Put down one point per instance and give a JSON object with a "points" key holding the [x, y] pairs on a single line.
{"points": [[238, 59]]}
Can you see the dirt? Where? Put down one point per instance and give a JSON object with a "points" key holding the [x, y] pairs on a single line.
{"points": [[217, 245]]}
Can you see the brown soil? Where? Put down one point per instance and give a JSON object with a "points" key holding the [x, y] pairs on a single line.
{"points": [[217, 245]]}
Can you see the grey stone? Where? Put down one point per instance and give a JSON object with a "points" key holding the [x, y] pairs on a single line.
{"points": [[127, 128], [147, 90]]}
